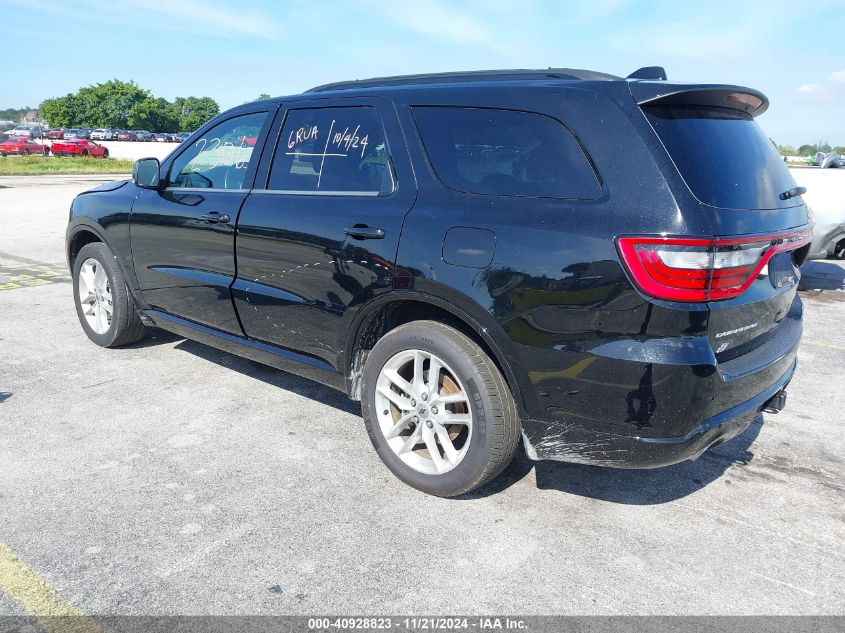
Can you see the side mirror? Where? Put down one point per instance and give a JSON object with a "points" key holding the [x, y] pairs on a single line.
{"points": [[146, 172]]}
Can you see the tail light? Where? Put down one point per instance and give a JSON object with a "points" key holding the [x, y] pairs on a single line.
{"points": [[701, 269]]}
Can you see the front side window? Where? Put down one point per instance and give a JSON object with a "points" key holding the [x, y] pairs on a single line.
{"points": [[220, 158], [505, 152], [332, 151]]}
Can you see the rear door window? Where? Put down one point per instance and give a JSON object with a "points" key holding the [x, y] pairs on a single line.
{"points": [[505, 152], [332, 151], [724, 157]]}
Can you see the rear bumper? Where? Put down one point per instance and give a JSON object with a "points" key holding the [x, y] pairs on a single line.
{"points": [[573, 443]]}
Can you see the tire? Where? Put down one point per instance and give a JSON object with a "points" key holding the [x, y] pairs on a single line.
{"points": [[482, 446], [84, 153], [105, 154], [124, 326], [25, 152]]}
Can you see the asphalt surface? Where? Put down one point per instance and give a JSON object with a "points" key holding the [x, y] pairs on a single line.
{"points": [[171, 478]]}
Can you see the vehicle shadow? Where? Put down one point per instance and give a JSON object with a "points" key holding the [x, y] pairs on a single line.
{"points": [[275, 377], [625, 486], [822, 275], [628, 486]]}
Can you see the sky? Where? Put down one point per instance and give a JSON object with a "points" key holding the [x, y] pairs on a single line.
{"points": [[793, 51]]}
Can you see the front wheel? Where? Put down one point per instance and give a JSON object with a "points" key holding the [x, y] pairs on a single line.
{"points": [[437, 409], [103, 303]]}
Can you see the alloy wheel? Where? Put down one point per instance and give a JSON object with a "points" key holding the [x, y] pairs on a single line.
{"points": [[423, 411], [95, 295]]}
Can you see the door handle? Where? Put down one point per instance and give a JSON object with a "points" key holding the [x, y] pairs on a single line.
{"points": [[365, 233], [215, 217]]}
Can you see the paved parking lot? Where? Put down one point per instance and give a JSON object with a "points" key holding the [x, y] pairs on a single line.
{"points": [[171, 478]]}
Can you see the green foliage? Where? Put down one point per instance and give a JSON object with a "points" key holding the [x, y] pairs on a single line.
{"points": [[263, 95], [192, 112], [14, 114], [810, 150], [58, 111], [119, 105], [153, 114], [74, 165]]}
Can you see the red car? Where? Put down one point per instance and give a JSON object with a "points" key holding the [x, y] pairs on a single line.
{"points": [[126, 135], [22, 146], [79, 147], [58, 132]]}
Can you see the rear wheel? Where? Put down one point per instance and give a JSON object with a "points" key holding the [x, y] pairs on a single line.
{"points": [[105, 153], [25, 152], [84, 153], [103, 303], [437, 409]]}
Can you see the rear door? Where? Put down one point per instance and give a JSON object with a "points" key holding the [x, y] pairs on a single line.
{"points": [[183, 235], [320, 237]]}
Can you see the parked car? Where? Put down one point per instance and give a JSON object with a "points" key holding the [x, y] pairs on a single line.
{"points": [[22, 146], [831, 160], [103, 134], [79, 147], [56, 133], [73, 133], [161, 137], [28, 130], [602, 268], [143, 135], [824, 196], [126, 135]]}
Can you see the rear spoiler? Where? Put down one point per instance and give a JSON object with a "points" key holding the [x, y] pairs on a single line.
{"points": [[654, 93]]}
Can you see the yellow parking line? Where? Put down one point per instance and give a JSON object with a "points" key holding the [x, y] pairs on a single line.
{"points": [[54, 613]]}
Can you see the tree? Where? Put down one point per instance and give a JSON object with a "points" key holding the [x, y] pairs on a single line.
{"points": [[807, 150], [263, 95], [121, 104], [108, 104], [153, 114], [58, 112], [192, 112]]}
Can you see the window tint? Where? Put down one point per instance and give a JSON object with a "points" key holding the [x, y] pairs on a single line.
{"points": [[220, 158], [481, 150], [332, 150], [724, 157]]}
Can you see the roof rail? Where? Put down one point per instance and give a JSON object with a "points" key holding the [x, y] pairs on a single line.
{"points": [[469, 76], [648, 72]]}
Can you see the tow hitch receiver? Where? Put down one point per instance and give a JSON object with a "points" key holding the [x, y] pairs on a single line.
{"points": [[776, 403]]}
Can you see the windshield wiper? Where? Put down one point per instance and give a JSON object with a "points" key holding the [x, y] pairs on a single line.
{"points": [[793, 193]]}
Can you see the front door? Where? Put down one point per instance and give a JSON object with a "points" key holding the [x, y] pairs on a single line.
{"points": [[183, 234], [321, 238]]}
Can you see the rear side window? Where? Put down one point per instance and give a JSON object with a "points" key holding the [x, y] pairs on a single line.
{"points": [[504, 152], [724, 157], [332, 151]]}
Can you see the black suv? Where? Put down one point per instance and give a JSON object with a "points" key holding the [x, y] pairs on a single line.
{"points": [[603, 267]]}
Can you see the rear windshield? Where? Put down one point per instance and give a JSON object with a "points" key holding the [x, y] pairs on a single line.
{"points": [[724, 157], [505, 152]]}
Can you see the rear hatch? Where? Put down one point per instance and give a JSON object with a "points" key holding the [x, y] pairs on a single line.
{"points": [[748, 271]]}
